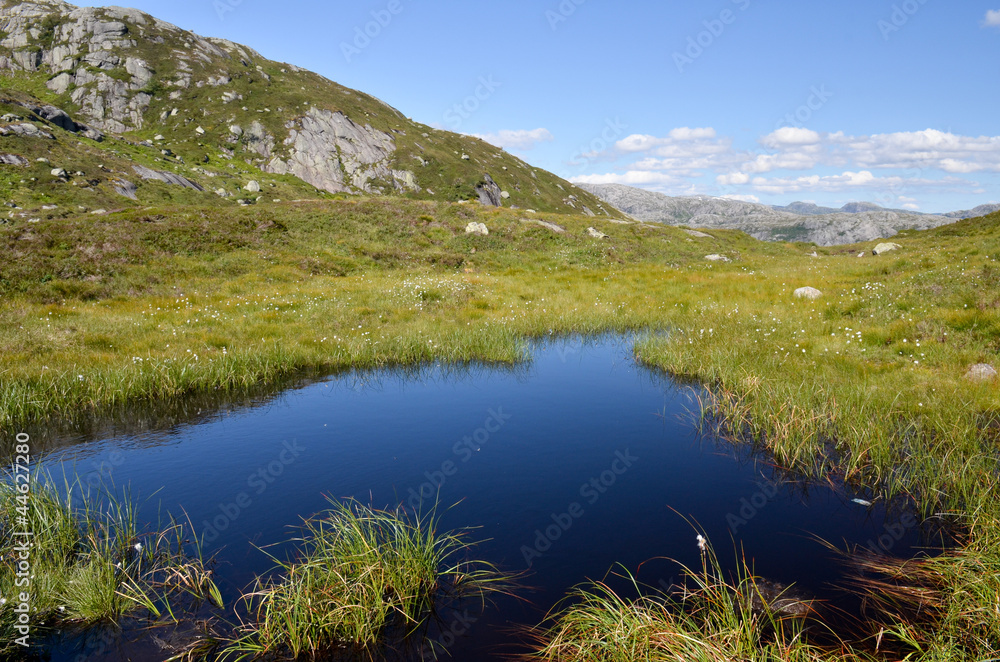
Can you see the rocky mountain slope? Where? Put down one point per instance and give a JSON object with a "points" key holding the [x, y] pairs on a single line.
{"points": [[825, 226], [110, 107]]}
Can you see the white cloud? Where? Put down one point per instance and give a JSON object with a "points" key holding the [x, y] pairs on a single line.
{"points": [[641, 178], [928, 149], [520, 139], [790, 135], [681, 159], [684, 152], [687, 133], [853, 181], [992, 19]]}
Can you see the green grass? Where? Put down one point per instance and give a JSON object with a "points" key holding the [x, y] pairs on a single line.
{"points": [[90, 562], [865, 385], [362, 581]]}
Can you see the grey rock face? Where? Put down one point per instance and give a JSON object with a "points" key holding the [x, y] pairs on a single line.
{"points": [[331, 152], [596, 234], [715, 257], [490, 194], [258, 140], [86, 39], [167, 177]]}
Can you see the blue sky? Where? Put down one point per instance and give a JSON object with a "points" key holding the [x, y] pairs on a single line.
{"points": [[889, 101]]}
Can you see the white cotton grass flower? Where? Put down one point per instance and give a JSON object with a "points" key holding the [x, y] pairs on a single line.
{"points": [[702, 543], [137, 546]]}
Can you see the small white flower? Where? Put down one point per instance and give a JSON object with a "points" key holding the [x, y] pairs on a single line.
{"points": [[138, 546], [701, 542], [3, 601]]}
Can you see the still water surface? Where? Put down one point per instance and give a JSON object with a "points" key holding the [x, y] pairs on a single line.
{"points": [[567, 466]]}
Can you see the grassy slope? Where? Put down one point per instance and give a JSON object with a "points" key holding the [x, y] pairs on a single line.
{"points": [[273, 93], [866, 383]]}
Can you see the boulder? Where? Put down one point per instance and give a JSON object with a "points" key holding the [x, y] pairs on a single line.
{"points": [[166, 177], [981, 372], [489, 193], [13, 159], [596, 234], [125, 188], [58, 117], [253, 187], [716, 258], [478, 229], [558, 229], [810, 293], [25, 130], [885, 248], [60, 173]]}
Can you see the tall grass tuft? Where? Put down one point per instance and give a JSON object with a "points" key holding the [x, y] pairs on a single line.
{"points": [[708, 618], [364, 580], [90, 561], [944, 607]]}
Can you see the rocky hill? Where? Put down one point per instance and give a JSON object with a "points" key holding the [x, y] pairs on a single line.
{"points": [[981, 210], [800, 221], [110, 107]]}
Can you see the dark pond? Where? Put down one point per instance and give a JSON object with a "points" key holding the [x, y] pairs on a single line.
{"points": [[582, 427]]}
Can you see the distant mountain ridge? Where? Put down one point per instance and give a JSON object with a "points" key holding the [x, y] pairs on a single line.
{"points": [[799, 221]]}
